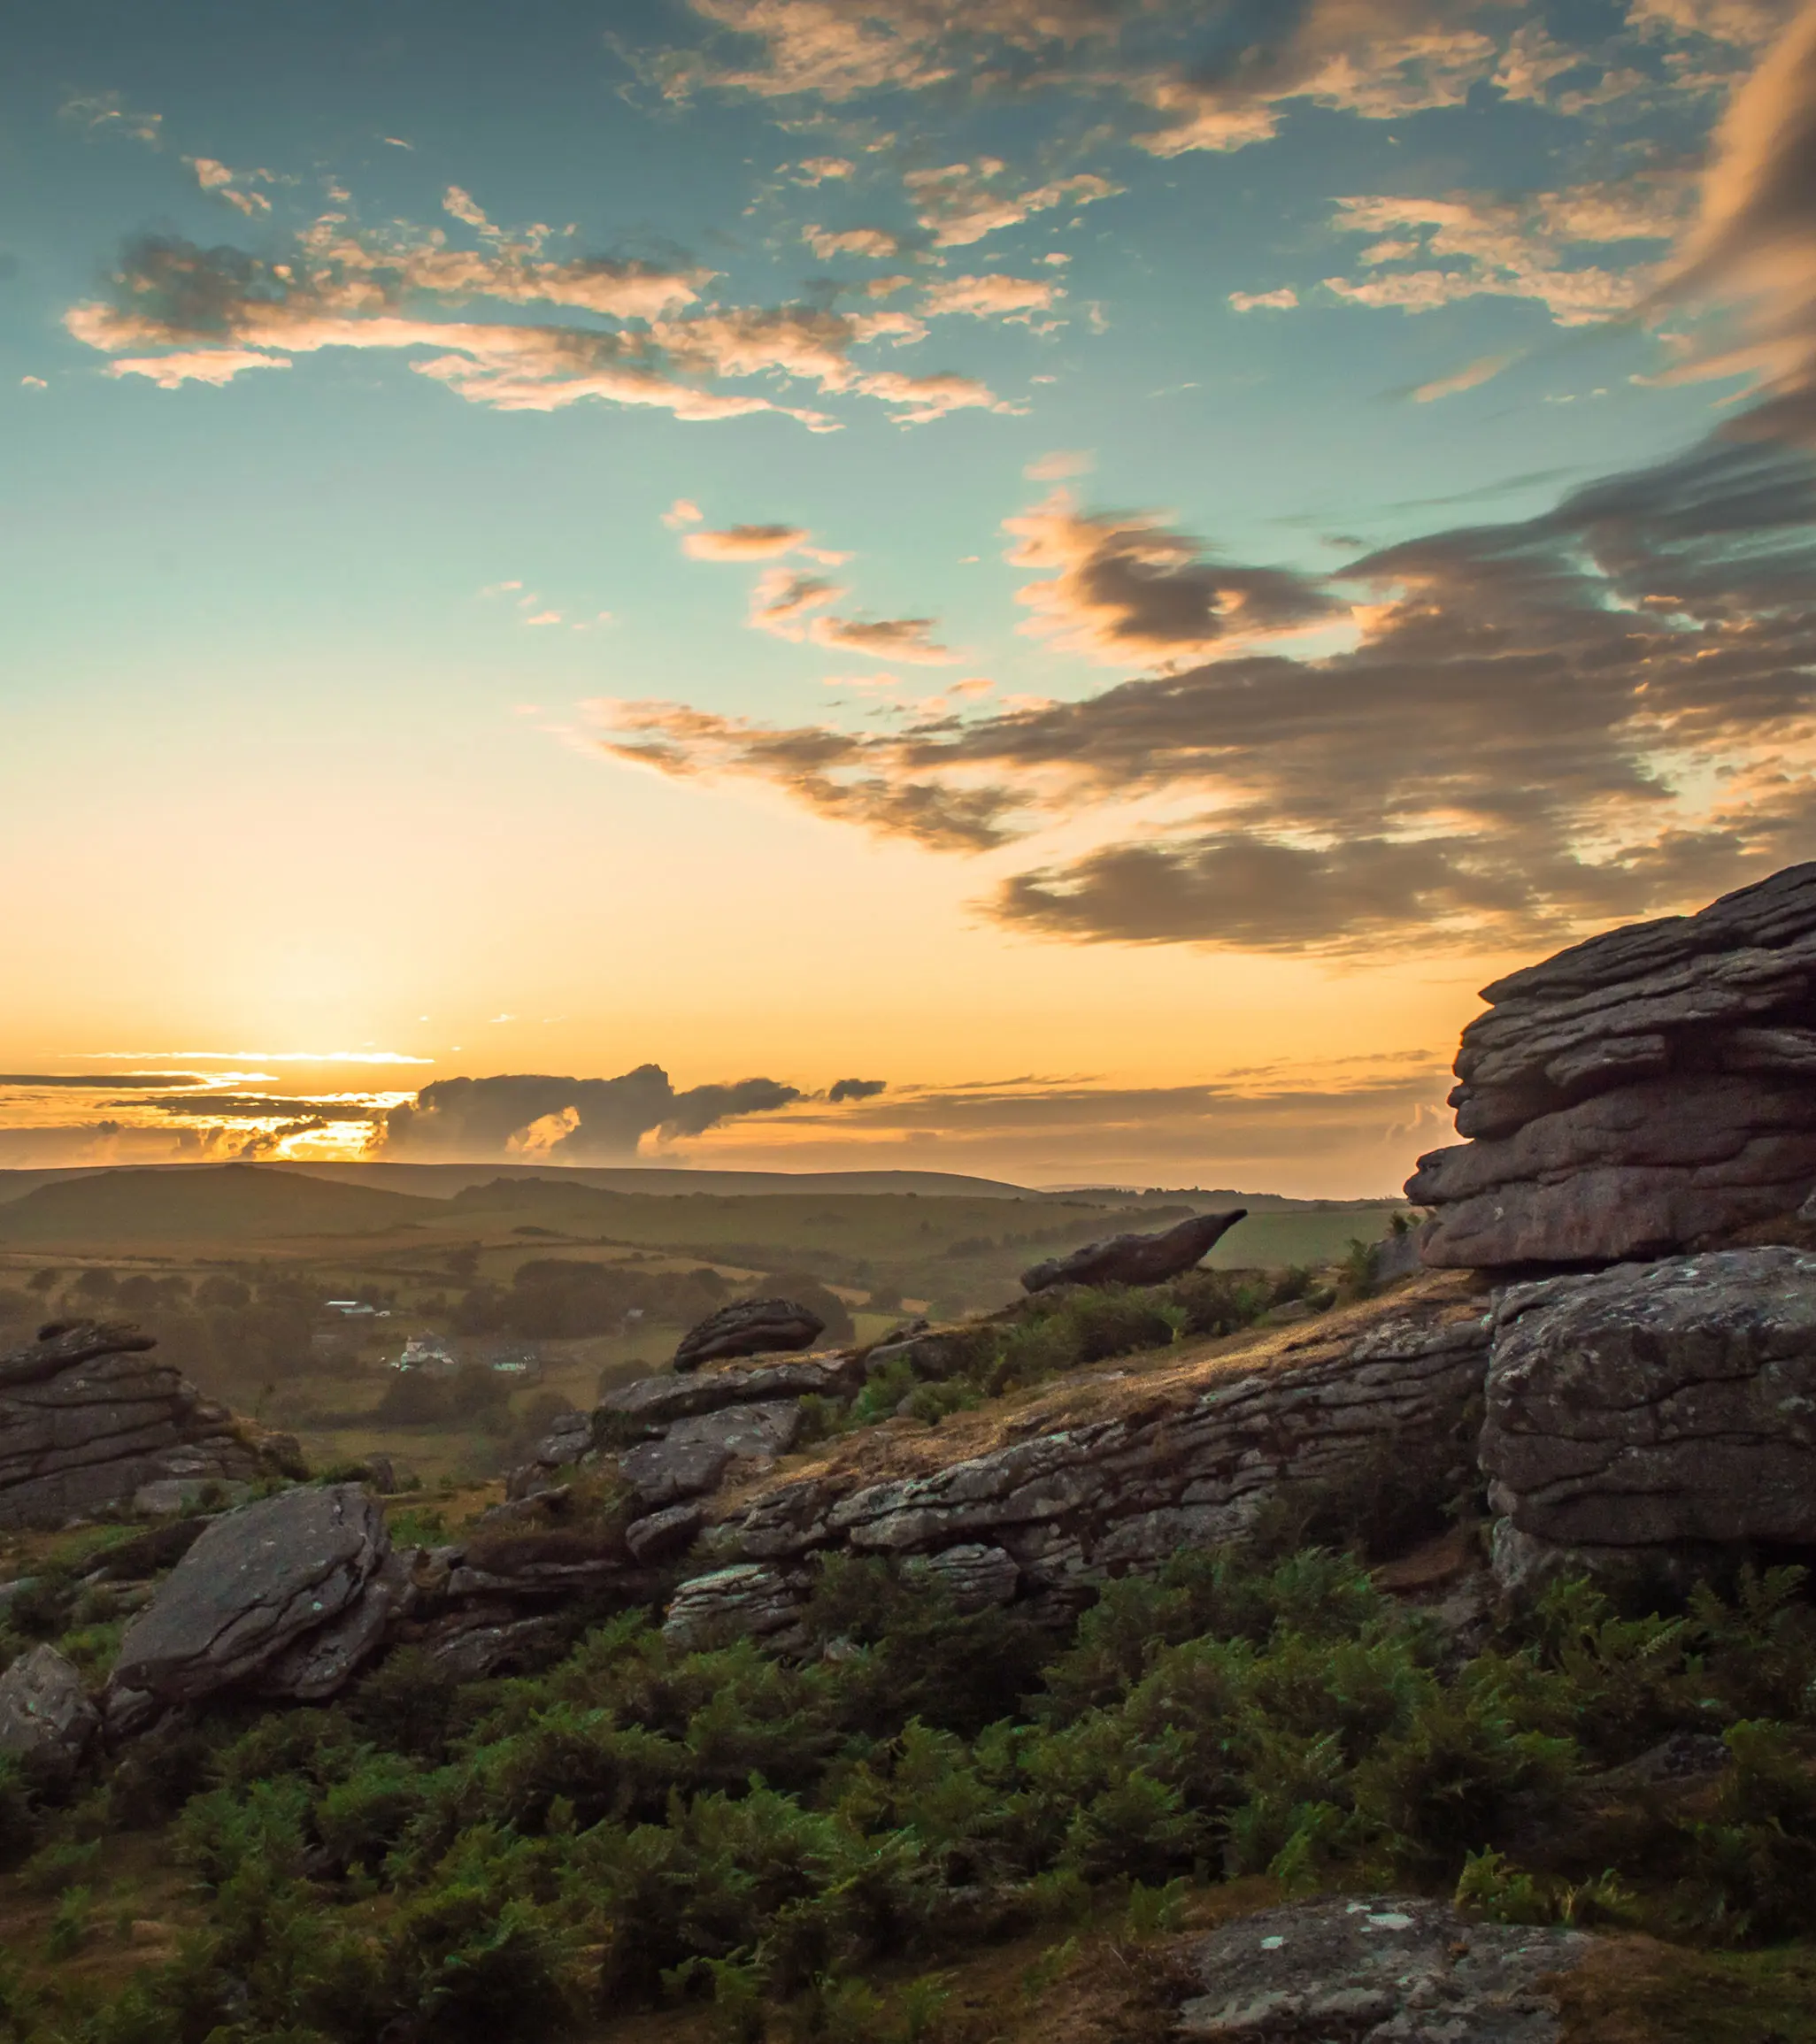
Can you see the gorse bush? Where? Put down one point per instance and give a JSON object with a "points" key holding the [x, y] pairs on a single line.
{"points": [[639, 1823]]}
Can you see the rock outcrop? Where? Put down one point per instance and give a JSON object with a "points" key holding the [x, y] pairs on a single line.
{"points": [[286, 1596], [90, 1422], [1135, 1259], [749, 1327], [1115, 1472], [46, 1719], [1643, 1092], [568, 1440], [1652, 1413], [1383, 1970]]}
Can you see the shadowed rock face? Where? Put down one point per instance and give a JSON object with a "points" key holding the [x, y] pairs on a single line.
{"points": [[1643, 1092], [751, 1327], [1653, 1411], [1135, 1259], [89, 1419]]}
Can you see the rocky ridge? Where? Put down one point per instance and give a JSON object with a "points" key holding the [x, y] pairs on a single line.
{"points": [[1642, 1093]]}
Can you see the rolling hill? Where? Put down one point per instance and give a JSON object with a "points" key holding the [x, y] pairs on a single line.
{"points": [[214, 1202]]}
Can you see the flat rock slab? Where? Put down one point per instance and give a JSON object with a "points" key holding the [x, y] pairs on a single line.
{"points": [[750, 1327], [1389, 1970], [1651, 1406], [258, 1581], [1135, 1259], [46, 1718], [659, 1400], [696, 1453]]}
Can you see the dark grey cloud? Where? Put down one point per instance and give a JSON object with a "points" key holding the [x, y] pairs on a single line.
{"points": [[1595, 712], [251, 1106], [1125, 587], [568, 1120], [856, 1088]]}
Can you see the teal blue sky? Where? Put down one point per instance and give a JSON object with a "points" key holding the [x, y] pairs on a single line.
{"points": [[869, 397]]}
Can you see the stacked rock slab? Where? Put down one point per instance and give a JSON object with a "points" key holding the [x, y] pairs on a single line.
{"points": [[1653, 1414], [88, 1420], [1645, 1092], [1187, 1458]]}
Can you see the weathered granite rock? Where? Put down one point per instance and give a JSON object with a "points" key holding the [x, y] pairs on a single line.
{"points": [[1386, 1970], [88, 1421], [1187, 1458], [1652, 1410], [46, 1718], [743, 1602], [696, 1453], [566, 1442], [1135, 1259], [252, 1588], [749, 1327], [1642, 1093], [975, 1575], [656, 1401]]}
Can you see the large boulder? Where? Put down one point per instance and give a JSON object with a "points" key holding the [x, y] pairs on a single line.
{"points": [[1651, 1413], [274, 1596], [749, 1327], [89, 1421], [1135, 1259], [1642, 1093], [1378, 1969], [46, 1718]]}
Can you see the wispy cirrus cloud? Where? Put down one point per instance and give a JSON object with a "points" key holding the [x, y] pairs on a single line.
{"points": [[788, 602], [1545, 246], [961, 202], [213, 314]]}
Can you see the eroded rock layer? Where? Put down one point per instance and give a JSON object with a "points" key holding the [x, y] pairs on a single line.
{"points": [[1645, 1092], [1071, 1491]]}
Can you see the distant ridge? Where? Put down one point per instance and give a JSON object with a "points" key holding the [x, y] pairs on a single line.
{"points": [[220, 1202], [441, 1182]]}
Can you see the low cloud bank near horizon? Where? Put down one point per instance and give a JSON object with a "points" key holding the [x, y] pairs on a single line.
{"points": [[1346, 1130], [565, 1120]]}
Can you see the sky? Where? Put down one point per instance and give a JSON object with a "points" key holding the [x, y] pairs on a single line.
{"points": [[1044, 587]]}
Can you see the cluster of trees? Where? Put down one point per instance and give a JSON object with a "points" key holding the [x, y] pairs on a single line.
{"points": [[560, 1298], [557, 1298]]}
